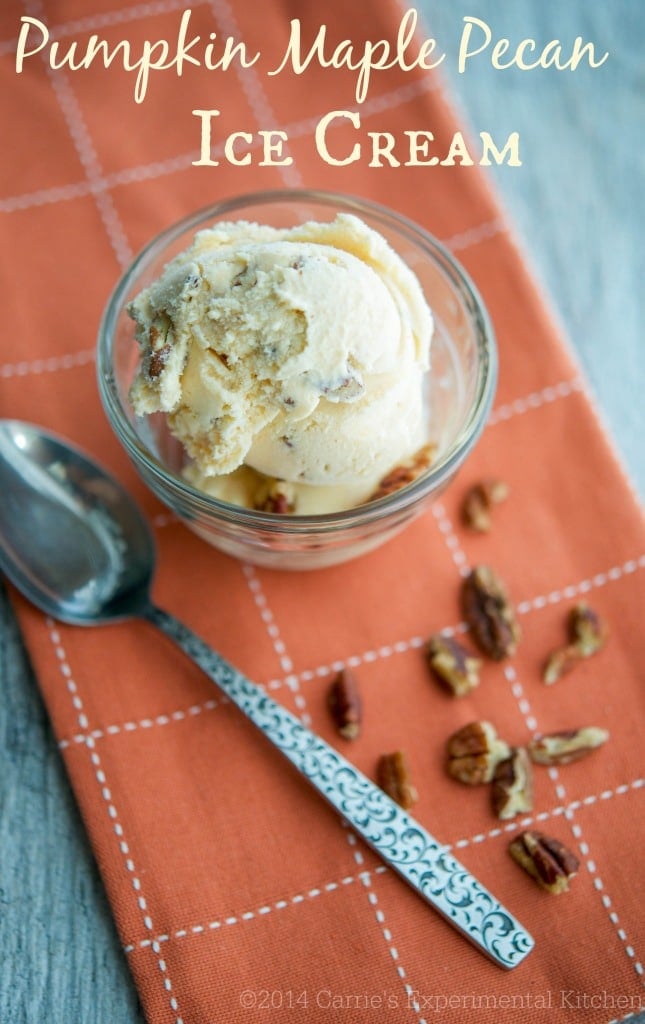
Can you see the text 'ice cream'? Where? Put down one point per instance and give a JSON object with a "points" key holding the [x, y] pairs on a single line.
{"points": [[287, 354]]}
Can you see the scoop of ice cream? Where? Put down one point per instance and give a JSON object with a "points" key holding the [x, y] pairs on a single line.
{"points": [[299, 352]]}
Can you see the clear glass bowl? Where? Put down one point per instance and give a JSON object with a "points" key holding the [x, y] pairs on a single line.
{"points": [[460, 388]]}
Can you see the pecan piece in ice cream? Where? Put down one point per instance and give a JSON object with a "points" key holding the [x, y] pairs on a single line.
{"points": [[567, 745], [474, 752], [489, 613], [405, 473], [454, 666], [545, 859], [160, 349], [512, 791], [275, 496], [394, 778]]}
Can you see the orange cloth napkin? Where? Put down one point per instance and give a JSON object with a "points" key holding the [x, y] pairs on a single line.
{"points": [[238, 895]]}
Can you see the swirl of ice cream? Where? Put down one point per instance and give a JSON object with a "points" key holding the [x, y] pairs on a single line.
{"points": [[298, 353]]}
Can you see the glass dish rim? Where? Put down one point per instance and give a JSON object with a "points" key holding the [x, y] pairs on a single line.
{"points": [[197, 504]]}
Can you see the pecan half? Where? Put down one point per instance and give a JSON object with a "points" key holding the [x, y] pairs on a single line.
{"points": [[160, 346], [567, 745], [489, 613], [478, 503], [545, 859], [345, 704], [512, 791], [560, 662], [587, 631], [587, 635], [404, 474], [393, 776], [474, 752], [452, 664], [276, 496]]}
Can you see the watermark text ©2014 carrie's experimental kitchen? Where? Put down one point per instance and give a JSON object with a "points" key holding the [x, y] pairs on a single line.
{"points": [[267, 146], [436, 1003]]}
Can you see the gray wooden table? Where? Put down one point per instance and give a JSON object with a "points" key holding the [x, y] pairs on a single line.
{"points": [[577, 207]]}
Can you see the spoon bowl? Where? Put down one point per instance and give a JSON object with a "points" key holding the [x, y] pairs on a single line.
{"points": [[76, 545], [71, 539]]}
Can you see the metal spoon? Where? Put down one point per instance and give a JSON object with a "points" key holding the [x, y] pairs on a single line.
{"points": [[77, 546]]}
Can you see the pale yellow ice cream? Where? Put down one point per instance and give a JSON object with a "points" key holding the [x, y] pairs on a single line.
{"points": [[295, 353]]}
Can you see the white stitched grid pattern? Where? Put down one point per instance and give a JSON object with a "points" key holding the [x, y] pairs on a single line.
{"points": [[257, 99], [51, 365], [266, 615], [161, 168], [254, 91], [554, 812], [97, 21], [301, 704], [179, 715], [599, 580], [590, 865], [569, 811], [535, 400], [450, 537], [327, 887], [353, 660], [86, 153], [106, 794], [564, 809], [261, 911]]}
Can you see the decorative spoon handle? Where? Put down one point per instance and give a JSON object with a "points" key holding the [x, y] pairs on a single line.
{"points": [[427, 865]]}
